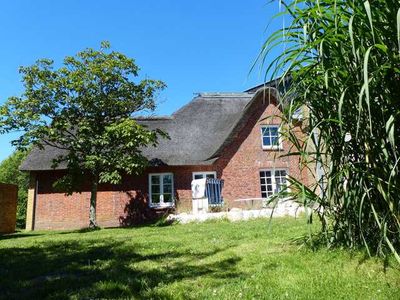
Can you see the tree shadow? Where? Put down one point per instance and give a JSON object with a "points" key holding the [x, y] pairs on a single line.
{"points": [[17, 235], [108, 269], [138, 212]]}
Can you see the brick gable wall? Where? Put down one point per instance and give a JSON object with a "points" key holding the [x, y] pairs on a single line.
{"points": [[126, 204], [242, 160]]}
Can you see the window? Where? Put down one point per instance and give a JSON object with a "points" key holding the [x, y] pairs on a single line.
{"points": [[270, 137], [201, 175], [161, 187], [272, 181]]}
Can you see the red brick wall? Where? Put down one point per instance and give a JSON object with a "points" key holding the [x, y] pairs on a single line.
{"points": [[116, 205], [8, 207], [239, 166]]}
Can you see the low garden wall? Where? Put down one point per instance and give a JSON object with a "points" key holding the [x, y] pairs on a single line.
{"points": [[285, 208], [8, 207]]}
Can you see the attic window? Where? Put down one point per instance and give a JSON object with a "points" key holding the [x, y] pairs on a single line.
{"points": [[270, 137]]}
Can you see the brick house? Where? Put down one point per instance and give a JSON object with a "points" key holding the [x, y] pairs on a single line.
{"points": [[230, 136]]}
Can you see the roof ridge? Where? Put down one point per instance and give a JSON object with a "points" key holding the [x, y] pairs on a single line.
{"points": [[224, 94], [156, 117]]}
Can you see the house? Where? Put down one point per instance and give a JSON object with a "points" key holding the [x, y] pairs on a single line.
{"points": [[230, 136]]}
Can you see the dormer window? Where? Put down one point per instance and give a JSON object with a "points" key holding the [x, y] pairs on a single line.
{"points": [[270, 137]]}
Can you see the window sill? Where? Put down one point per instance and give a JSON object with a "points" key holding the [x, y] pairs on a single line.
{"points": [[165, 205], [272, 148]]}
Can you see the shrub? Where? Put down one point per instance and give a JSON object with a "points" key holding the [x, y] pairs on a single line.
{"points": [[343, 59]]}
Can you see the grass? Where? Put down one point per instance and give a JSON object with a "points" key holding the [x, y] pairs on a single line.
{"points": [[214, 260]]}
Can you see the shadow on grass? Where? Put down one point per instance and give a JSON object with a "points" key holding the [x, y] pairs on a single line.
{"points": [[59, 270], [17, 235]]}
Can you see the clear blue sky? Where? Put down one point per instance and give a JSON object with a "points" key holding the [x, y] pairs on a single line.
{"points": [[193, 46]]}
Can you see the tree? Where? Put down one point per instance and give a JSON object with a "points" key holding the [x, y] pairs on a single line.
{"points": [[10, 173], [343, 58], [86, 108]]}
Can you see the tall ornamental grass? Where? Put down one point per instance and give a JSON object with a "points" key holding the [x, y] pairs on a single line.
{"points": [[343, 58]]}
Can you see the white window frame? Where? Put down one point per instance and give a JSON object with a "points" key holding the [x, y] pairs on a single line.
{"points": [[205, 174], [162, 203], [273, 180], [271, 147]]}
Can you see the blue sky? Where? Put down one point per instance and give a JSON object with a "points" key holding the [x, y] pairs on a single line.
{"points": [[193, 46]]}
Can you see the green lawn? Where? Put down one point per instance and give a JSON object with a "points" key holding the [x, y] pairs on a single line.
{"points": [[215, 260]]}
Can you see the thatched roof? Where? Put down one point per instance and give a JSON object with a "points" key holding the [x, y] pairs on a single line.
{"points": [[198, 131]]}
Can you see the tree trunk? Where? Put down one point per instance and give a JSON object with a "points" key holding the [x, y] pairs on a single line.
{"points": [[93, 199]]}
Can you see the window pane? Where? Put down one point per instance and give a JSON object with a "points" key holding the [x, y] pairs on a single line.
{"points": [[265, 131], [280, 184], [167, 198], [155, 189], [273, 131], [262, 180], [266, 141], [280, 173], [167, 188], [264, 195], [167, 179], [155, 179], [155, 198], [274, 141], [204, 175]]}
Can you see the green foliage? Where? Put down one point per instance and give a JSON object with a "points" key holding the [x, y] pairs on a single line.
{"points": [[343, 58], [86, 108], [212, 260], [9, 173]]}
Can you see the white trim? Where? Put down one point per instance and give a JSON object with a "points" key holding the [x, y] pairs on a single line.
{"points": [[273, 180], [271, 147], [205, 173], [162, 203]]}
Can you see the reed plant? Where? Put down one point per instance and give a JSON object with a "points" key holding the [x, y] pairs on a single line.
{"points": [[343, 62]]}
